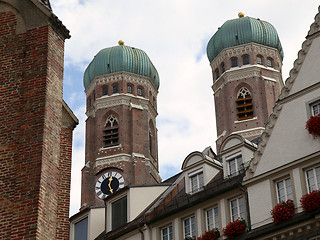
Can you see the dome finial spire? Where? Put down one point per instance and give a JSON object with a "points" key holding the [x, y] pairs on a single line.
{"points": [[240, 14], [121, 42]]}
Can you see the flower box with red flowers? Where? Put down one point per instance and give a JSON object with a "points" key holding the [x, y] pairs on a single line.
{"points": [[235, 228], [213, 234], [282, 211], [311, 201], [313, 125]]}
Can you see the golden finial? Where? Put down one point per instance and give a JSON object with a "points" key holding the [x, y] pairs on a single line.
{"points": [[240, 14], [121, 42]]}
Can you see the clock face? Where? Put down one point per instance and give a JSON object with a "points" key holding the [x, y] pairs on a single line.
{"points": [[108, 183]]}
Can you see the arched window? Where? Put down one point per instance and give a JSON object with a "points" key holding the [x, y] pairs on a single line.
{"points": [[245, 60], [260, 60], [129, 89], [244, 104], [217, 73], [139, 91], [105, 91], [269, 62], [151, 139], [234, 62], [111, 132], [223, 69], [115, 89]]}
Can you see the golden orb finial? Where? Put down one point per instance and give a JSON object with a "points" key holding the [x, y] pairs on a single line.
{"points": [[121, 42], [240, 14]]}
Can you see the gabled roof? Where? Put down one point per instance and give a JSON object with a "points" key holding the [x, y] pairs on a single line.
{"points": [[285, 92], [46, 3]]}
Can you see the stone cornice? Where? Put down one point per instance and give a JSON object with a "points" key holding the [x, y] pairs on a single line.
{"points": [[127, 77], [247, 71], [240, 50], [121, 99], [112, 159]]}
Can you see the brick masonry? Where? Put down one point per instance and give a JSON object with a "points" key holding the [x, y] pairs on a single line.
{"points": [[256, 78], [34, 144], [137, 118]]}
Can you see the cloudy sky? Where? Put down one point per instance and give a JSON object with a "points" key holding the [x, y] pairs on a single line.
{"points": [[174, 34]]}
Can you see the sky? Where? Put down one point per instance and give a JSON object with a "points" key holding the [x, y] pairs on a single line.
{"points": [[174, 34]]}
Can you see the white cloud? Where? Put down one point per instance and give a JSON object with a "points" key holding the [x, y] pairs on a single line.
{"points": [[174, 35]]}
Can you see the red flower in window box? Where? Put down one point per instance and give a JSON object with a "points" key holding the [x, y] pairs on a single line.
{"points": [[313, 125], [213, 234], [282, 211], [311, 201], [235, 228]]}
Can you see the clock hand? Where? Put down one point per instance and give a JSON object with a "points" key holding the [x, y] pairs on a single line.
{"points": [[110, 180]]}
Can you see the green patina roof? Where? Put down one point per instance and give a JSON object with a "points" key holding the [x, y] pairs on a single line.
{"points": [[121, 58], [241, 31]]}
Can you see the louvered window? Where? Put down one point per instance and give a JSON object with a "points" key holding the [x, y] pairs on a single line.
{"points": [[111, 132], [244, 104]]}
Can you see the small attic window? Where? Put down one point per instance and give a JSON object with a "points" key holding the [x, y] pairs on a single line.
{"points": [[196, 182], [235, 164]]}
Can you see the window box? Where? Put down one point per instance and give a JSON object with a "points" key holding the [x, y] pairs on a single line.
{"points": [[311, 201], [282, 211], [235, 228], [210, 235], [313, 125]]}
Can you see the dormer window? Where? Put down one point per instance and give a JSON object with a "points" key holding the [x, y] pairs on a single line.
{"points": [[235, 164], [196, 181], [244, 104]]}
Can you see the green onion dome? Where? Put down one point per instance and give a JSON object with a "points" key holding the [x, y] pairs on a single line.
{"points": [[243, 30], [121, 58]]}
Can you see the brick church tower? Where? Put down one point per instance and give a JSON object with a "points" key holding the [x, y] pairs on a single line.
{"points": [[35, 124], [121, 86], [245, 55]]}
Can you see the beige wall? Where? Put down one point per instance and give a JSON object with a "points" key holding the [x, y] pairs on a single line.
{"points": [[141, 197]]}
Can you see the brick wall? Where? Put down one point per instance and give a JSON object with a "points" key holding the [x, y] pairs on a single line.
{"points": [[31, 71]]}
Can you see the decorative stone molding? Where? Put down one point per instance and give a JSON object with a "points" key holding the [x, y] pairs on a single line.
{"points": [[250, 132], [127, 77], [121, 99], [112, 159], [246, 71], [241, 50]]}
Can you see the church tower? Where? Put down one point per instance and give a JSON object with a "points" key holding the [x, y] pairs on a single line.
{"points": [[121, 85], [246, 56]]}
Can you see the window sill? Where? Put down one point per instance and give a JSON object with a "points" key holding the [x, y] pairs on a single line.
{"points": [[246, 120]]}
